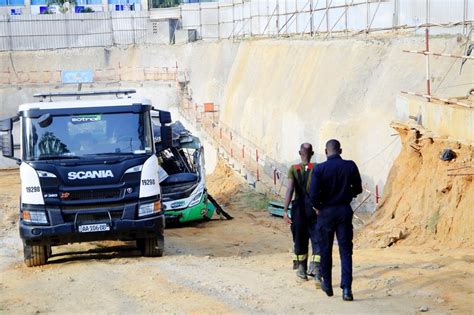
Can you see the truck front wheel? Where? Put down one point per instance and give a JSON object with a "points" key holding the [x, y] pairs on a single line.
{"points": [[35, 255], [151, 246]]}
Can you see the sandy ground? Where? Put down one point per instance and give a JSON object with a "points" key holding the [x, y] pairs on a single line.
{"points": [[238, 266]]}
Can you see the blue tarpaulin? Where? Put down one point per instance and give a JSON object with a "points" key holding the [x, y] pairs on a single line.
{"points": [[77, 76]]}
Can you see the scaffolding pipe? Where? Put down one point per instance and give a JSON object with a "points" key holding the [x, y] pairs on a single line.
{"points": [[423, 52], [445, 100], [243, 20], [291, 21], [269, 20], [427, 48], [367, 15], [327, 15], [200, 20], [465, 15], [218, 22], [233, 19], [340, 17], [258, 17], [345, 18], [296, 18], [277, 7], [310, 21], [373, 17], [322, 19]]}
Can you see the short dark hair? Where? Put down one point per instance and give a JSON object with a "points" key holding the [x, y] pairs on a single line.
{"points": [[306, 148], [333, 146]]}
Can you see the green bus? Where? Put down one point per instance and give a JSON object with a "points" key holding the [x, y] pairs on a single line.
{"points": [[183, 177]]}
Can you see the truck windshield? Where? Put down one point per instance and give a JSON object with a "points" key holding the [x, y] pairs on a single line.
{"points": [[78, 136]]}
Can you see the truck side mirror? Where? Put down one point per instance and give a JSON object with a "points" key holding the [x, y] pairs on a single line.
{"points": [[6, 125], [7, 145], [166, 137], [165, 117], [8, 150]]}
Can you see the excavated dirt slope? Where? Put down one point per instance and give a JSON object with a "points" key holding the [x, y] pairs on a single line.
{"points": [[423, 202]]}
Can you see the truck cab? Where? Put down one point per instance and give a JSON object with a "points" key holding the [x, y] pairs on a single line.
{"points": [[89, 172]]}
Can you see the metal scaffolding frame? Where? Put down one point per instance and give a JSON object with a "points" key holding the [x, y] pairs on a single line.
{"points": [[427, 53], [305, 17]]}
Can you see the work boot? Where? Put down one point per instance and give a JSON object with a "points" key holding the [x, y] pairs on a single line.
{"points": [[313, 269], [327, 289], [295, 264], [317, 276], [317, 281], [347, 294], [302, 269]]}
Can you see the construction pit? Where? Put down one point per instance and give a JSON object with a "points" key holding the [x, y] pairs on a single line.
{"points": [[414, 241]]}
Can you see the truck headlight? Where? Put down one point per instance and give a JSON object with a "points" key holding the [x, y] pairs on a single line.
{"points": [[38, 217], [196, 199], [134, 169], [149, 208], [45, 174]]}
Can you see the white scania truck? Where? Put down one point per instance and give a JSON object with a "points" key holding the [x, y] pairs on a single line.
{"points": [[88, 171]]}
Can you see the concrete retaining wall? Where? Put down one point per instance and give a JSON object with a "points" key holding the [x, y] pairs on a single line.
{"points": [[279, 93], [443, 120]]}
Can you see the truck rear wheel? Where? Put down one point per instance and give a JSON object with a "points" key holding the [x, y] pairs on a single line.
{"points": [[152, 246], [49, 251], [35, 255]]}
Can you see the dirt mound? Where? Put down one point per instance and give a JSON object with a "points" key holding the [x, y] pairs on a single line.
{"points": [[423, 202], [227, 187], [223, 183]]}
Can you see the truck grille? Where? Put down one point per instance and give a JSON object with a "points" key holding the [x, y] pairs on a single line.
{"points": [[93, 194], [92, 217], [94, 207]]}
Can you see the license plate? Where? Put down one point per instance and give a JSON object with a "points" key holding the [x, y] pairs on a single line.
{"points": [[101, 227]]}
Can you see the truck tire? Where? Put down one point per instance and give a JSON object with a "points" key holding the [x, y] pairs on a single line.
{"points": [[49, 251], [35, 255], [152, 246]]}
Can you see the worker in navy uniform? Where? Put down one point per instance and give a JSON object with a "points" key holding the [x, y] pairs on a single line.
{"points": [[333, 186], [303, 217]]}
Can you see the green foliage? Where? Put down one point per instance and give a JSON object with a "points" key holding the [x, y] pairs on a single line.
{"points": [[64, 5], [165, 3], [257, 201], [61, 2], [87, 10]]}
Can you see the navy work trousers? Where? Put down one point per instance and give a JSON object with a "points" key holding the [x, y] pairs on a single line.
{"points": [[336, 220]]}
